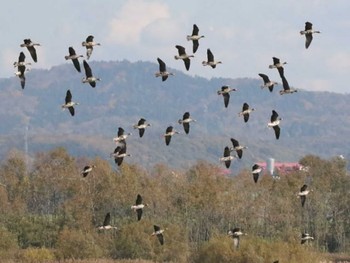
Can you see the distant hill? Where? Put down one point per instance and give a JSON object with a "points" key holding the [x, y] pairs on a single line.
{"points": [[313, 122]]}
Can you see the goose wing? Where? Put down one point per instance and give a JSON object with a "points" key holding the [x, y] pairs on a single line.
{"points": [[76, 64], [274, 116], [303, 188], [195, 30], [226, 99], [277, 130], [195, 43], [68, 97], [71, 51], [308, 39], [187, 62], [210, 56], [303, 199], [162, 66], [21, 57], [87, 68], [107, 220], [285, 83], [161, 238], [235, 143], [276, 60], [138, 200], [181, 50], [120, 131], [71, 110], [264, 77], [139, 214]]}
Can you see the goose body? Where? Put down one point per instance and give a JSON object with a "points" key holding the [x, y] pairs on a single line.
{"points": [[286, 89], [119, 154], [256, 170], [303, 193], [89, 44], [74, 57], [308, 32], [121, 136], [246, 110], [107, 223], [185, 121], [235, 233], [141, 126], [210, 60], [87, 169], [138, 207], [274, 123], [267, 82], [195, 37], [279, 65], [158, 232], [169, 132], [162, 70], [305, 237], [31, 48], [21, 68], [69, 104], [89, 78], [237, 147], [227, 157], [182, 55], [225, 92]]}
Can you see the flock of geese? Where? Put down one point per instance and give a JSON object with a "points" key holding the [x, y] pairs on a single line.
{"points": [[121, 149]]}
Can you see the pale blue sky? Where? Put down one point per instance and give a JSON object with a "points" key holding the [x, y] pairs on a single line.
{"points": [[244, 35]]}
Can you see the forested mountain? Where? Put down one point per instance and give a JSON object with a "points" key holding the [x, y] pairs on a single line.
{"points": [[313, 122]]}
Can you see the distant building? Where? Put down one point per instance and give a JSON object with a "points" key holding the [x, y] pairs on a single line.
{"points": [[274, 167]]}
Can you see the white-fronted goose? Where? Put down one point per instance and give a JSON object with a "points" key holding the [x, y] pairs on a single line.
{"points": [[87, 169], [227, 157], [107, 223], [256, 169], [210, 60], [274, 123], [195, 37], [89, 78], [138, 207], [237, 147], [169, 132], [31, 48], [74, 57], [121, 136], [305, 237], [162, 70], [267, 82], [182, 55], [279, 65], [303, 193], [89, 44], [21, 68], [119, 153], [235, 233], [141, 126], [308, 33], [246, 110], [286, 89], [69, 104], [185, 121], [225, 92], [158, 232]]}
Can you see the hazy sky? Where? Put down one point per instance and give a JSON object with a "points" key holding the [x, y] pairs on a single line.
{"points": [[244, 35]]}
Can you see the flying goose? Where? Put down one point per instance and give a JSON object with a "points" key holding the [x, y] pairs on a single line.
{"points": [[89, 77], [121, 136], [185, 121], [194, 37], [308, 33], [286, 89], [159, 233], [107, 223], [169, 132], [182, 55], [305, 237], [21, 68], [210, 60], [227, 158], [267, 82], [69, 104], [238, 148], [87, 169], [74, 57], [138, 207], [119, 154], [225, 90], [89, 44], [279, 65], [162, 70], [274, 123], [246, 112], [256, 169], [303, 193], [31, 48], [141, 126], [235, 233]]}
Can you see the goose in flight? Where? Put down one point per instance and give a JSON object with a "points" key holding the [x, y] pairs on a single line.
{"points": [[89, 44], [121, 136], [279, 65], [235, 233], [274, 123], [31, 48], [185, 121], [195, 37], [107, 223], [305, 237], [169, 132], [119, 154], [237, 147], [210, 60], [74, 57], [138, 207], [87, 169], [21, 68], [69, 104], [182, 55], [225, 92], [162, 70], [158, 232], [308, 31], [89, 77], [227, 157], [267, 82], [286, 89], [256, 169], [141, 126], [303, 193], [246, 110]]}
